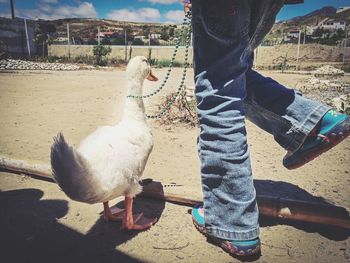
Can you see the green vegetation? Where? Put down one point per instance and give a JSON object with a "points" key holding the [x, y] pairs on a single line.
{"points": [[137, 42], [84, 59], [164, 63], [100, 52]]}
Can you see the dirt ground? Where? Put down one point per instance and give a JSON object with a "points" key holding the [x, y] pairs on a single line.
{"points": [[39, 223]]}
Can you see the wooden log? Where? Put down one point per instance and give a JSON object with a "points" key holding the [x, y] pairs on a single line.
{"points": [[275, 207], [26, 167]]}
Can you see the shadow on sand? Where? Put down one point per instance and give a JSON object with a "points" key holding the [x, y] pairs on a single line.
{"points": [[30, 232], [290, 191]]}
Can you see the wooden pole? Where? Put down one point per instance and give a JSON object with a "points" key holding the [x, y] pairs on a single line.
{"points": [[98, 36], [27, 36], [26, 167], [68, 42], [298, 52], [126, 43], [268, 206], [345, 44], [12, 9]]}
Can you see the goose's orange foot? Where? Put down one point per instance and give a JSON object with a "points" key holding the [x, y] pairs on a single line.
{"points": [[135, 222], [139, 222], [113, 214]]}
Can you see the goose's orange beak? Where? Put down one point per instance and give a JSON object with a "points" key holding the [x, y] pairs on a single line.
{"points": [[151, 77]]}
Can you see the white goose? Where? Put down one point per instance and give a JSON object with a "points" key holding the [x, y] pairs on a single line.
{"points": [[110, 161]]}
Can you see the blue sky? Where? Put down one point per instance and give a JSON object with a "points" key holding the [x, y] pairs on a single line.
{"points": [[133, 10]]}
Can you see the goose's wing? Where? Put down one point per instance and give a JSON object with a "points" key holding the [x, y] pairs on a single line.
{"points": [[118, 153]]}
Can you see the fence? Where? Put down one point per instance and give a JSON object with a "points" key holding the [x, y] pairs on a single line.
{"points": [[118, 52], [17, 37], [264, 56]]}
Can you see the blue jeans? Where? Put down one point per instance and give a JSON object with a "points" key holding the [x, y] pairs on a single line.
{"points": [[225, 33]]}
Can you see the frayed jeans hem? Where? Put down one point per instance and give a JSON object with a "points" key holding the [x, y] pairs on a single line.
{"points": [[229, 235], [302, 132]]}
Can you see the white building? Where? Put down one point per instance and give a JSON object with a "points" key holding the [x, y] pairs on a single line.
{"points": [[61, 39], [293, 33], [143, 38], [343, 8], [155, 36], [333, 25]]}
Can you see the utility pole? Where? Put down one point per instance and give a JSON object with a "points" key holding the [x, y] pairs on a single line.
{"points": [[345, 44], [98, 36], [12, 10], [126, 44], [68, 40], [298, 53], [27, 37]]}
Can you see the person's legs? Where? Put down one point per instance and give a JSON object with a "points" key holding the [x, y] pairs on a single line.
{"points": [[281, 111], [305, 128], [221, 36]]}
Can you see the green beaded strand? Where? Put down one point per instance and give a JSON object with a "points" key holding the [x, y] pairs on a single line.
{"points": [[185, 22]]}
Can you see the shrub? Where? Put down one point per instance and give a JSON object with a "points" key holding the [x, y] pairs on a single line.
{"points": [[85, 59], [100, 52], [137, 42], [165, 63]]}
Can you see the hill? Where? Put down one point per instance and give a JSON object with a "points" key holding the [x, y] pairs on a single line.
{"points": [[85, 31]]}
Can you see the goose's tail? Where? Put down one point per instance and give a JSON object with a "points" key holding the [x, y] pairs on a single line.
{"points": [[72, 172]]}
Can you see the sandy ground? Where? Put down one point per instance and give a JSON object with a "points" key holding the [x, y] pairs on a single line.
{"points": [[39, 223]]}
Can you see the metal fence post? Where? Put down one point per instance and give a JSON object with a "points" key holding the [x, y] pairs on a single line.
{"points": [[298, 53], [68, 40], [27, 37], [98, 36], [12, 10], [126, 44]]}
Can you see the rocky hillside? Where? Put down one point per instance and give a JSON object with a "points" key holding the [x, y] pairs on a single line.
{"points": [[315, 17]]}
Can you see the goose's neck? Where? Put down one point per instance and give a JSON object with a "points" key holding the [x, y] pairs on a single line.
{"points": [[134, 108]]}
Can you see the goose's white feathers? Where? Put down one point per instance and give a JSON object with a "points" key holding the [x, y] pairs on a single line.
{"points": [[110, 161]]}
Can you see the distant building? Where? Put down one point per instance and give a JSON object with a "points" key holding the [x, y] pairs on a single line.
{"points": [[106, 34], [342, 9], [61, 39], [332, 24], [326, 24], [140, 37], [293, 33], [155, 36]]}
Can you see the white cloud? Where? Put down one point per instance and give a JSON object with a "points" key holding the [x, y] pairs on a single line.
{"points": [[176, 16], [45, 8], [49, 1], [85, 9], [135, 15], [163, 2]]}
